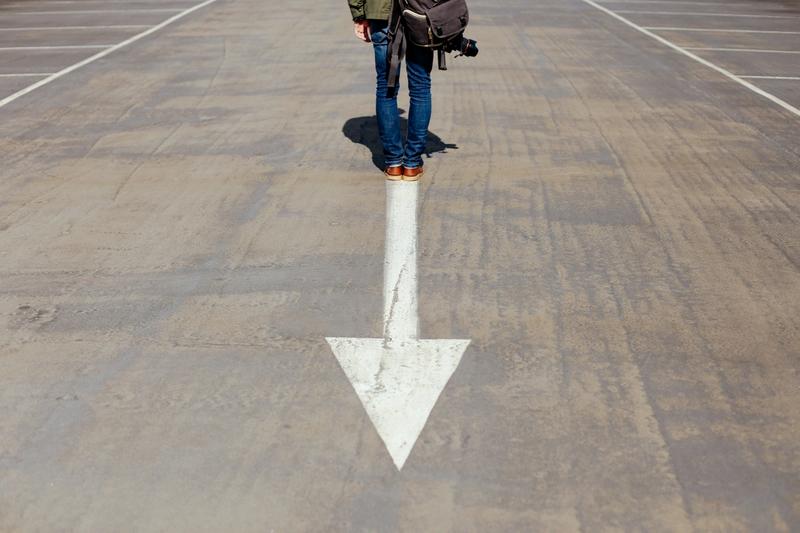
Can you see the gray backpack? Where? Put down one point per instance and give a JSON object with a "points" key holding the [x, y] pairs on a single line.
{"points": [[436, 24]]}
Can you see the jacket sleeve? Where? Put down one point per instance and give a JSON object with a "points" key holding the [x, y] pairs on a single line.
{"points": [[358, 9]]}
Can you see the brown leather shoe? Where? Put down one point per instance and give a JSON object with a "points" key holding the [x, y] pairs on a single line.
{"points": [[394, 173], [412, 174]]}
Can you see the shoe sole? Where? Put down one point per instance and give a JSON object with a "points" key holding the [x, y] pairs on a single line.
{"points": [[394, 178], [415, 178]]}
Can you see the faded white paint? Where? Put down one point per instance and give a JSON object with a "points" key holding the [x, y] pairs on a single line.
{"points": [[753, 50], [718, 30], [398, 384], [56, 47], [26, 75], [399, 377], [703, 14], [96, 11], [689, 2], [728, 74], [53, 77], [400, 313], [785, 78], [59, 28]]}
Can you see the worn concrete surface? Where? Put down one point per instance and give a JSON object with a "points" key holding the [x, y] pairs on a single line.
{"points": [[614, 226]]}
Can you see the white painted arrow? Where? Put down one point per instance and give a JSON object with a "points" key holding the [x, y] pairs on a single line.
{"points": [[399, 378]]}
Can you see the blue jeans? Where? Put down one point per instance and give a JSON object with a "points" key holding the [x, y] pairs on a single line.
{"points": [[419, 62]]}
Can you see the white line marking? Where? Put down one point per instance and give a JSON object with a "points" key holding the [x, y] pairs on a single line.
{"points": [[695, 14], [755, 50], [688, 2], [26, 75], [90, 12], [83, 2], [400, 316], [772, 98], [717, 30], [791, 78], [7, 100], [59, 28], [400, 377], [65, 47]]}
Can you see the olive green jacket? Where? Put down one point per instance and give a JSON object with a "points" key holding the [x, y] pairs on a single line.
{"points": [[370, 9]]}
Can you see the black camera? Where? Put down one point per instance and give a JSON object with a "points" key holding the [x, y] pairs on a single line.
{"points": [[460, 44], [465, 47]]}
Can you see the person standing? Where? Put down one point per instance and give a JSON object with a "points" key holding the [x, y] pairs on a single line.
{"points": [[403, 158]]}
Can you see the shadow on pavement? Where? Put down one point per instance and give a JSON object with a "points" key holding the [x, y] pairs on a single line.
{"points": [[364, 130]]}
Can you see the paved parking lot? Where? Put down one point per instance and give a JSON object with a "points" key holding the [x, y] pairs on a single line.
{"points": [[757, 42], [40, 38], [191, 203]]}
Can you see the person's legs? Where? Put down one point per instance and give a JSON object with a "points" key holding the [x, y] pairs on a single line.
{"points": [[419, 62], [386, 100]]}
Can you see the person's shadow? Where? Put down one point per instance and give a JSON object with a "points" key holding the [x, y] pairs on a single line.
{"points": [[364, 130]]}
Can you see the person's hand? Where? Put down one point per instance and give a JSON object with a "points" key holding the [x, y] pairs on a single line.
{"points": [[361, 28]]}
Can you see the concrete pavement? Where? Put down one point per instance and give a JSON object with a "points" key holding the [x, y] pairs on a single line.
{"points": [[613, 225]]}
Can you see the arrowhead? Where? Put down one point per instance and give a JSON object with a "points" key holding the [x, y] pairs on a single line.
{"points": [[398, 384]]}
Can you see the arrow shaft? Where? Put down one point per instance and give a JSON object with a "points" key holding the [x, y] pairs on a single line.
{"points": [[400, 311]]}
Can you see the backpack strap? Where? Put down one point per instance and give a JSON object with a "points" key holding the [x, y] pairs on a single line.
{"points": [[397, 43], [442, 59], [397, 53]]}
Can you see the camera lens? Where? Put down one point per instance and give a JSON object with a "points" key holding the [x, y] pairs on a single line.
{"points": [[469, 47]]}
